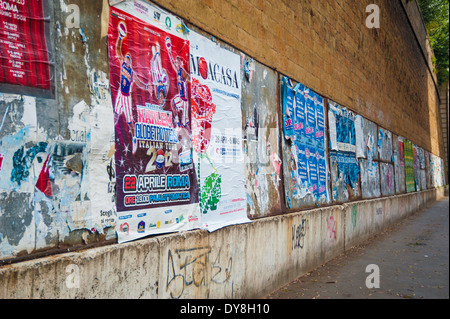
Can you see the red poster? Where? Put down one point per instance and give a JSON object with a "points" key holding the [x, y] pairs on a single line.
{"points": [[150, 89], [23, 48]]}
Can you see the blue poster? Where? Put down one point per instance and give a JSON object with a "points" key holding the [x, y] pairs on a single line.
{"points": [[344, 127], [322, 172], [301, 96], [302, 165], [352, 169], [310, 121], [351, 129], [342, 165], [311, 156], [304, 125], [339, 128], [320, 122]]}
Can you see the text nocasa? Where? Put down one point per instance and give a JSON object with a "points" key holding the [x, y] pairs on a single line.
{"points": [[216, 72]]}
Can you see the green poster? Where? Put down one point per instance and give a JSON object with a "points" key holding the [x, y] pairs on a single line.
{"points": [[409, 167]]}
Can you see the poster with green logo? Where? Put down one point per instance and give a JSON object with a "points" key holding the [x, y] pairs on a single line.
{"points": [[409, 167], [217, 133]]}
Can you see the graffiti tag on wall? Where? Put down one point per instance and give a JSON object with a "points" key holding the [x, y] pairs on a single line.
{"points": [[196, 268]]}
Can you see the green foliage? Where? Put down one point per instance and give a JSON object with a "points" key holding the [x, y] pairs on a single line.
{"points": [[435, 14]]}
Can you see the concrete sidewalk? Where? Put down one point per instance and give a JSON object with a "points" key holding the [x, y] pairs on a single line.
{"points": [[412, 257]]}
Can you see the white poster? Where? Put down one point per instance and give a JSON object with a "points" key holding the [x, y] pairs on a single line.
{"points": [[217, 133], [359, 136]]}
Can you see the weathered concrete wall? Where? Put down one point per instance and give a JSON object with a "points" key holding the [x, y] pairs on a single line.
{"points": [[242, 261]]}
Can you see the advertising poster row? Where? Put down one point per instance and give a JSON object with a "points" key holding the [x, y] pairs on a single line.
{"points": [[178, 133], [176, 98]]}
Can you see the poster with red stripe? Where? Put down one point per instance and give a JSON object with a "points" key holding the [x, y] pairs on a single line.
{"points": [[156, 185], [24, 54]]}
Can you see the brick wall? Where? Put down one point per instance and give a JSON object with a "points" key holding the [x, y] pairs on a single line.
{"points": [[380, 73], [444, 90]]}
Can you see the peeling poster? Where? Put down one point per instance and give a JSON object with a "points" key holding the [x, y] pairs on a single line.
{"points": [[399, 165], [345, 170], [156, 183], [306, 172], [261, 140], [217, 133]]}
